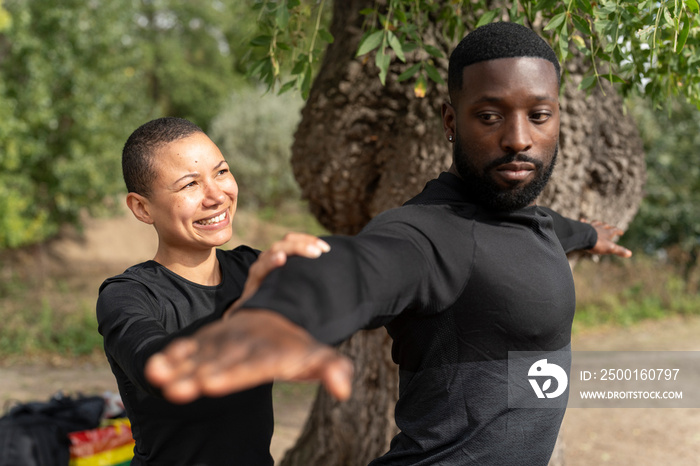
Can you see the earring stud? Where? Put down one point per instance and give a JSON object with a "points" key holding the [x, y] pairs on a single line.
{"points": [[449, 137]]}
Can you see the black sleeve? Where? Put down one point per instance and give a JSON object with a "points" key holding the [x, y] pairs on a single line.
{"points": [[366, 280], [572, 234], [127, 319]]}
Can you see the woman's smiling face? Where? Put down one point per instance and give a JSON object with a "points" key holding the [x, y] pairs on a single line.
{"points": [[194, 194]]}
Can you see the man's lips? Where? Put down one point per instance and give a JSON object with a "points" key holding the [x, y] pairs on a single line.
{"points": [[514, 171]]}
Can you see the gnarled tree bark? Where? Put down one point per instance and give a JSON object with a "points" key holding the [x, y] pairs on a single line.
{"points": [[362, 148]]}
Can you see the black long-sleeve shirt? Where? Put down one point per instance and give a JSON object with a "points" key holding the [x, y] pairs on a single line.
{"points": [[139, 312], [457, 287]]}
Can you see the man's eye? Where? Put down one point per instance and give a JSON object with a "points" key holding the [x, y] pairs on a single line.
{"points": [[488, 117], [540, 116]]}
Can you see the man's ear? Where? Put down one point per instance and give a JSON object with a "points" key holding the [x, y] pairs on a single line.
{"points": [[140, 207], [449, 118]]}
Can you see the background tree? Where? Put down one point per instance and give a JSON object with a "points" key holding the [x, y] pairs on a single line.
{"points": [[66, 78], [76, 77], [368, 144], [667, 222], [256, 140], [190, 54]]}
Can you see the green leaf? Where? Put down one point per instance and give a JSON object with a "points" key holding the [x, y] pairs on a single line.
{"points": [[367, 11], [435, 52], [306, 84], [617, 54], [488, 17], [382, 60], [545, 5], [261, 41], [282, 17], [556, 21], [613, 78], [603, 26], [409, 47], [326, 36], [401, 16], [683, 36], [564, 41], [608, 9], [668, 17], [582, 25], [586, 6], [433, 73], [513, 13], [287, 86], [300, 65], [646, 5], [395, 45], [293, 4], [693, 5], [409, 73], [256, 68], [370, 43], [587, 83]]}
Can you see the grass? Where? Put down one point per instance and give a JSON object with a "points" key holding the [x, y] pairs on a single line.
{"points": [[43, 314], [624, 292], [47, 315]]}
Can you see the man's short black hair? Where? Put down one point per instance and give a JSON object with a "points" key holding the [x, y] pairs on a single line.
{"points": [[140, 149], [493, 41]]}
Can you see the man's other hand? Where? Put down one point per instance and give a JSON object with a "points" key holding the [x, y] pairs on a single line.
{"points": [[607, 234]]}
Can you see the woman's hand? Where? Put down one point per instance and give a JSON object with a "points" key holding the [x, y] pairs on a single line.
{"points": [[293, 244]]}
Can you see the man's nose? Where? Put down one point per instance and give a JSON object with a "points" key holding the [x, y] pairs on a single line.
{"points": [[517, 136]]}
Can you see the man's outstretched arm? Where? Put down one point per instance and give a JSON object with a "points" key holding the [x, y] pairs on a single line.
{"points": [[595, 237], [247, 349]]}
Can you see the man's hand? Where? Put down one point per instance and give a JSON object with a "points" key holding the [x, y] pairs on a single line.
{"points": [[607, 234], [293, 244], [250, 348]]}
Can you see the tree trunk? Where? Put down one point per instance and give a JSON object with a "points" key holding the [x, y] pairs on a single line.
{"points": [[362, 148]]}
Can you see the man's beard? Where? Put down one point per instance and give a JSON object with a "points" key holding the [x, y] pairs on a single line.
{"points": [[484, 190]]}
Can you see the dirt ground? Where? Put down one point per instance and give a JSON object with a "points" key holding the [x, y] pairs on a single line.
{"points": [[621, 437]]}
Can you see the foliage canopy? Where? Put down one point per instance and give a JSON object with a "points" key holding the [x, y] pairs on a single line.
{"points": [[76, 77], [648, 47], [668, 219]]}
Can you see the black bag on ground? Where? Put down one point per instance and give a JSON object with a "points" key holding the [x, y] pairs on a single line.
{"points": [[36, 433]]}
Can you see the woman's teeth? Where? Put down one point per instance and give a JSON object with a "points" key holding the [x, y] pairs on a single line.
{"points": [[211, 221]]}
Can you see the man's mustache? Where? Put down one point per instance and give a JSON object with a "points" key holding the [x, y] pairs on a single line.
{"points": [[508, 158]]}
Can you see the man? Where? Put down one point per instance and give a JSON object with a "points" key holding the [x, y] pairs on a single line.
{"points": [[466, 272]]}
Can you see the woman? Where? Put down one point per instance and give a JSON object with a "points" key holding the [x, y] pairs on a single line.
{"points": [[179, 182]]}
